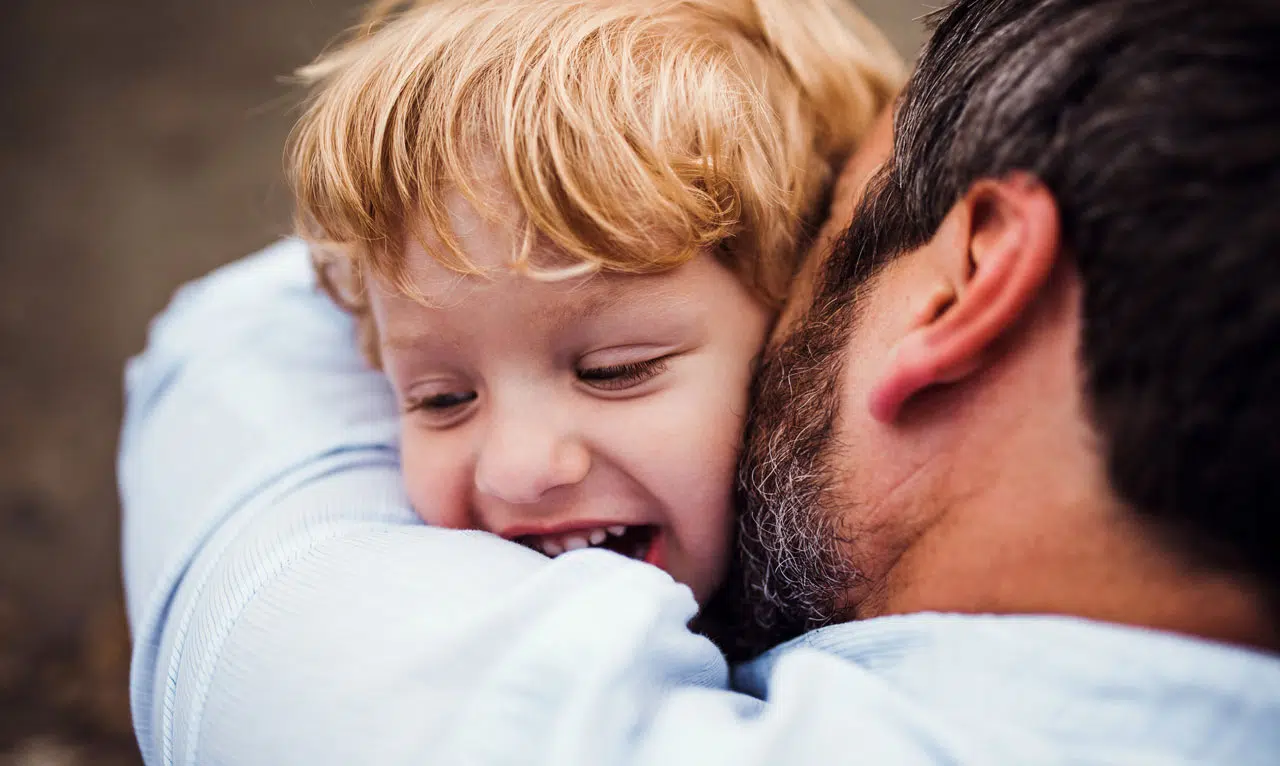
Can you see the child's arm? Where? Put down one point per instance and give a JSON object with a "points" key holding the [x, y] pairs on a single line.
{"points": [[288, 607]]}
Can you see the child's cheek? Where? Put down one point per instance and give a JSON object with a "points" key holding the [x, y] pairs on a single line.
{"points": [[703, 505], [434, 480]]}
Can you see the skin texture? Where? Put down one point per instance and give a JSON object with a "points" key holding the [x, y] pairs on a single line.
{"points": [[961, 472], [515, 424]]}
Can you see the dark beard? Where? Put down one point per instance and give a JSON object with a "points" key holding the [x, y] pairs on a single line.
{"points": [[791, 569], [790, 566]]}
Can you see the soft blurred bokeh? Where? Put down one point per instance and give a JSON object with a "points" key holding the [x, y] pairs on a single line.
{"points": [[140, 146]]}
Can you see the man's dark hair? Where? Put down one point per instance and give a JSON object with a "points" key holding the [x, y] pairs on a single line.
{"points": [[1156, 126]]}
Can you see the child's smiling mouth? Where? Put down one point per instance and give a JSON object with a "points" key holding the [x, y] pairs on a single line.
{"points": [[638, 541]]}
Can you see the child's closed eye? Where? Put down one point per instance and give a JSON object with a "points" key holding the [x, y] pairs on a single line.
{"points": [[614, 377], [441, 402], [618, 377]]}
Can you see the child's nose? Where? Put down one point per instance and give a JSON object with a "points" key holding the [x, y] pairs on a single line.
{"points": [[523, 459]]}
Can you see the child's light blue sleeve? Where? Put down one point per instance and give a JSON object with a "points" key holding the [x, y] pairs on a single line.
{"points": [[288, 607]]}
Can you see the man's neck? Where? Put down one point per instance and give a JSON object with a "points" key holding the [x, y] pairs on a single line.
{"points": [[1098, 565], [1020, 517]]}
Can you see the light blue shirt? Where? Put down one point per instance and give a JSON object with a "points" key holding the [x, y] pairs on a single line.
{"points": [[288, 607]]}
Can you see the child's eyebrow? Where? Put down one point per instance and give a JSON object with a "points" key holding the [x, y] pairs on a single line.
{"points": [[656, 295], [593, 304], [598, 299], [410, 341]]}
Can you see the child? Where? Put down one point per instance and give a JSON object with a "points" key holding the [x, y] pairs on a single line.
{"points": [[564, 228]]}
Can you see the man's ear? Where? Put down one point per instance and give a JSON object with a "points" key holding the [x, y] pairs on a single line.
{"points": [[996, 248]]}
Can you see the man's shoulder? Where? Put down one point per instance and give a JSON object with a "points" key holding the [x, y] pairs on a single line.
{"points": [[1029, 686]]}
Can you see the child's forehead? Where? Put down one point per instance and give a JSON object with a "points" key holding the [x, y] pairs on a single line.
{"points": [[490, 227], [588, 290], [509, 260], [515, 305]]}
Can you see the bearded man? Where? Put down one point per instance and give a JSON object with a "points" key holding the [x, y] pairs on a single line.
{"points": [[1009, 486]]}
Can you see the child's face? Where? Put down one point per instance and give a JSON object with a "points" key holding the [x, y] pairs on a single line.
{"points": [[559, 414]]}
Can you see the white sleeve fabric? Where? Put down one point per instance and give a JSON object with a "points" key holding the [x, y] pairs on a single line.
{"points": [[289, 608]]}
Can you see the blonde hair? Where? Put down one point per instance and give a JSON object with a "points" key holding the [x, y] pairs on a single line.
{"points": [[633, 134]]}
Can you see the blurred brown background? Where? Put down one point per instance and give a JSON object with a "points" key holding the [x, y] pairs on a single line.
{"points": [[140, 147]]}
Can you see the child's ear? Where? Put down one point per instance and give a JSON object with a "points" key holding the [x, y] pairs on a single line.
{"points": [[993, 254]]}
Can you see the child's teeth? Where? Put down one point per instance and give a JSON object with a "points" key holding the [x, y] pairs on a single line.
{"points": [[555, 545]]}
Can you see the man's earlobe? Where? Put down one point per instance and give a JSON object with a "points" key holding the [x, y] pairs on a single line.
{"points": [[998, 246]]}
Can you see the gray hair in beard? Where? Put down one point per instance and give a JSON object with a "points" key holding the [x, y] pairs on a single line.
{"points": [[791, 564], [792, 567]]}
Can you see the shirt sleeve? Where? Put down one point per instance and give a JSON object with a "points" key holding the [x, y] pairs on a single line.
{"points": [[288, 607]]}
